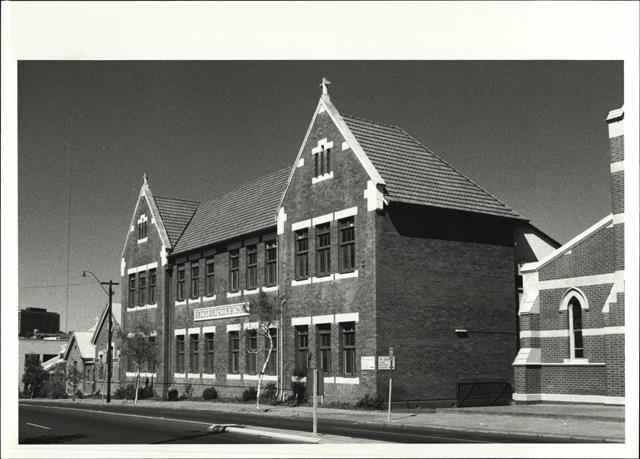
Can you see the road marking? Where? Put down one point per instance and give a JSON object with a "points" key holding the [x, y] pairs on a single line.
{"points": [[37, 425]]}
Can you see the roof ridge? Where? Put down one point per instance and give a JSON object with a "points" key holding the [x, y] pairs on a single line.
{"points": [[177, 199], [459, 172], [236, 188]]}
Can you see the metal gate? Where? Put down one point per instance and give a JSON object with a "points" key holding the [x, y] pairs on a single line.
{"points": [[483, 392]]}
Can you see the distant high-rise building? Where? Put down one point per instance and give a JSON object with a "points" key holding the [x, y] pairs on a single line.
{"points": [[40, 319]]}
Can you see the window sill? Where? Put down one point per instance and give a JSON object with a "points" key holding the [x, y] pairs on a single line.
{"points": [[346, 275], [271, 288], [143, 240], [129, 374], [181, 302], [322, 178], [180, 375], [140, 308], [306, 281], [234, 294], [193, 375], [250, 377], [347, 380], [208, 376], [234, 376], [325, 278], [208, 298], [251, 291]]}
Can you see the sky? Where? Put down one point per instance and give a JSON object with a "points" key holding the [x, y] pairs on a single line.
{"points": [[533, 133]]}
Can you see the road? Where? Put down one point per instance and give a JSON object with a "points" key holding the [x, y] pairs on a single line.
{"points": [[139, 424]]}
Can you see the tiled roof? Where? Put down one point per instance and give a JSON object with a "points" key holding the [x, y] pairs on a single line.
{"points": [[415, 175], [87, 350], [251, 207], [176, 214]]}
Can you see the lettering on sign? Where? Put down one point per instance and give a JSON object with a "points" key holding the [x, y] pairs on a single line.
{"points": [[368, 363], [384, 362], [221, 312]]}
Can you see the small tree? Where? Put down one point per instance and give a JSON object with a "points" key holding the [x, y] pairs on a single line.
{"points": [[74, 378], [34, 376], [267, 310], [140, 350]]}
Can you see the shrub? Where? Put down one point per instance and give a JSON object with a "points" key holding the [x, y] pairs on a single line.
{"points": [[249, 393], [54, 390], [270, 392], [172, 396], [145, 392], [370, 403], [79, 394], [299, 391], [210, 393], [128, 392]]}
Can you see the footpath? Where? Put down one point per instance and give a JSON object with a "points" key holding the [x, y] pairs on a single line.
{"points": [[555, 422]]}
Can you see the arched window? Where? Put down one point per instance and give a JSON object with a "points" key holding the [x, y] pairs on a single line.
{"points": [[576, 346]]}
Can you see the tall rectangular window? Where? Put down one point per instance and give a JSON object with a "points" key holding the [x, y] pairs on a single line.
{"points": [[152, 286], [252, 267], [234, 352], [181, 279], [195, 280], [272, 365], [324, 348], [180, 354], [132, 290], [302, 254], [271, 266], [575, 329], [208, 356], [234, 270], [323, 250], [347, 249], [142, 228], [252, 354], [302, 348], [142, 285], [323, 162], [209, 273], [194, 346], [348, 348], [101, 369]]}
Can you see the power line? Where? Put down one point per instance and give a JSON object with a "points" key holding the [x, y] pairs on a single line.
{"points": [[49, 286]]}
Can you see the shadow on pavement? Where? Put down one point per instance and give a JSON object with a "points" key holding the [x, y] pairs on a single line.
{"points": [[50, 439]]}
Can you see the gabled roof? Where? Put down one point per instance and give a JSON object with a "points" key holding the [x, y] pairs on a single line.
{"points": [[116, 309], [50, 364], [414, 174], [87, 350], [244, 210], [176, 215]]}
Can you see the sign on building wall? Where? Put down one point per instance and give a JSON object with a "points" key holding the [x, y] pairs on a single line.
{"points": [[386, 362], [221, 312], [368, 363]]}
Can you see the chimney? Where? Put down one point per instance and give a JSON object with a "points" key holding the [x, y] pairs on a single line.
{"points": [[615, 119]]}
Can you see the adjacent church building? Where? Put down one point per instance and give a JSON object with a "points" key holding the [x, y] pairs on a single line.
{"points": [[369, 245]]}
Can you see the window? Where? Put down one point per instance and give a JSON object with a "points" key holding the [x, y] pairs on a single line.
{"points": [[272, 365], [302, 348], [324, 348], [101, 369], [349, 348], [194, 348], [302, 254], [142, 285], [142, 227], [322, 161], [271, 260], [208, 356], [209, 277], [234, 352], [132, 290], [252, 354], [180, 354], [575, 329], [347, 249], [180, 290], [323, 250], [234, 270], [252, 267], [152, 286], [195, 280]]}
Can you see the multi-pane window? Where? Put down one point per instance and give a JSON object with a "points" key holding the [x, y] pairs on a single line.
{"points": [[180, 354], [195, 280], [234, 352], [323, 161], [142, 228], [323, 250], [194, 346], [132, 290], [252, 355], [575, 326], [209, 277], [142, 285], [302, 254], [208, 356], [349, 348], [347, 249], [302, 348], [324, 348], [152, 286], [272, 365], [252, 267], [234, 270], [271, 263], [181, 280]]}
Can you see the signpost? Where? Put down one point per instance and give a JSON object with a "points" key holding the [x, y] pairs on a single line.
{"points": [[391, 367]]}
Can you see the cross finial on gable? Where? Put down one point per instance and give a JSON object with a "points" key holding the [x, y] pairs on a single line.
{"points": [[324, 85], [145, 180]]}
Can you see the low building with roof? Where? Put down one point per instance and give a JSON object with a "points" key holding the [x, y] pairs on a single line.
{"points": [[571, 316], [99, 340], [370, 244], [80, 354], [39, 349]]}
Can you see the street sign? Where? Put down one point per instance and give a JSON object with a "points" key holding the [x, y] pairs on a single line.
{"points": [[368, 363], [384, 362]]}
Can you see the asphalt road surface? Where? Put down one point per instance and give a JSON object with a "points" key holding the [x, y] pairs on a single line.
{"points": [[108, 424]]}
